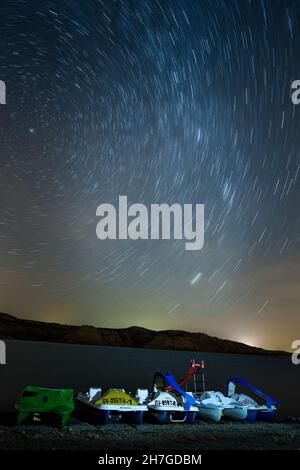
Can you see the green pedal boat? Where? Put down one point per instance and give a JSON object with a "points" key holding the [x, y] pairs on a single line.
{"points": [[45, 404]]}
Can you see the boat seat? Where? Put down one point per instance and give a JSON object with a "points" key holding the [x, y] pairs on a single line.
{"points": [[141, 395]]}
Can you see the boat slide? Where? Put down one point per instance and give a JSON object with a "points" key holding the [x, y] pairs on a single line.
{"points": [[168, 402], [175, 405], [211, 405], [265, 412], [194, 369]]}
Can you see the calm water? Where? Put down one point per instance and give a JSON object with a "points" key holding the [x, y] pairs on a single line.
{"points": [[78, 367]]}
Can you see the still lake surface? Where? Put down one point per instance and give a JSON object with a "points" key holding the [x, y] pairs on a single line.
{"points": [[79, 367]]}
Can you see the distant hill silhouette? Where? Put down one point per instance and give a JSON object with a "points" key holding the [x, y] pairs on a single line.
{"points": [[136, 337]]}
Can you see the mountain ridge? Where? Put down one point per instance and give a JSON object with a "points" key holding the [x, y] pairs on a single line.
{"points": [[15, 328]]}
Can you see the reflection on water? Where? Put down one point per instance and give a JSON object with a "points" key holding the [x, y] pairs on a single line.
{"points": [[79, 367]]}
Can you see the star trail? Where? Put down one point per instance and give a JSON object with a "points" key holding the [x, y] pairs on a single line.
{"points": [[173, 101]]}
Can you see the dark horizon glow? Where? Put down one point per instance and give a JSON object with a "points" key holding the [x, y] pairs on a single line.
{"points": [[165, 102]]}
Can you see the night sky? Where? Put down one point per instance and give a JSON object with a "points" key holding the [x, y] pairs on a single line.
{"points": [[185, 101]]}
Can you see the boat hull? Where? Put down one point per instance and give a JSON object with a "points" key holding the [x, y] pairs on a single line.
{"points": [[235, 414], [135, 417], [266, 415], [251, 415], [167, 417], [102, 416], [210, 414]]}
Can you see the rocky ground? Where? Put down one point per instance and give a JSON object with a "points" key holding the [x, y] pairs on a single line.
{"points": [[118, 436]]}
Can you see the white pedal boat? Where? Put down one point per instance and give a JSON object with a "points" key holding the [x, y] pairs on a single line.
{"points": [[174, 406], [209, 408], [217, 405], [113, 405], [255, 411], [167, 407]]}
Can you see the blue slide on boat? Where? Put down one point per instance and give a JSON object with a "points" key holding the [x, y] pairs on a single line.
{"points": [[265, 412], [189, 400], [168, 407]]}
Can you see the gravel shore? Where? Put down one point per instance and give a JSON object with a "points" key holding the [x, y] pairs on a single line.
{"points": [[118, 436]]}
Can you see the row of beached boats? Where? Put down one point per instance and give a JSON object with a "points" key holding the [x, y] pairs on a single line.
{"points": [[169, 401]]}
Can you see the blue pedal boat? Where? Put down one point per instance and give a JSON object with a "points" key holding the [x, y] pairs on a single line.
{"points": [[265, 411]]}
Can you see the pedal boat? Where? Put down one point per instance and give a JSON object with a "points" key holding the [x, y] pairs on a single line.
{"points": [[175, 406], [50, 405], [115, 404], [255, 411], [217, 405]]}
